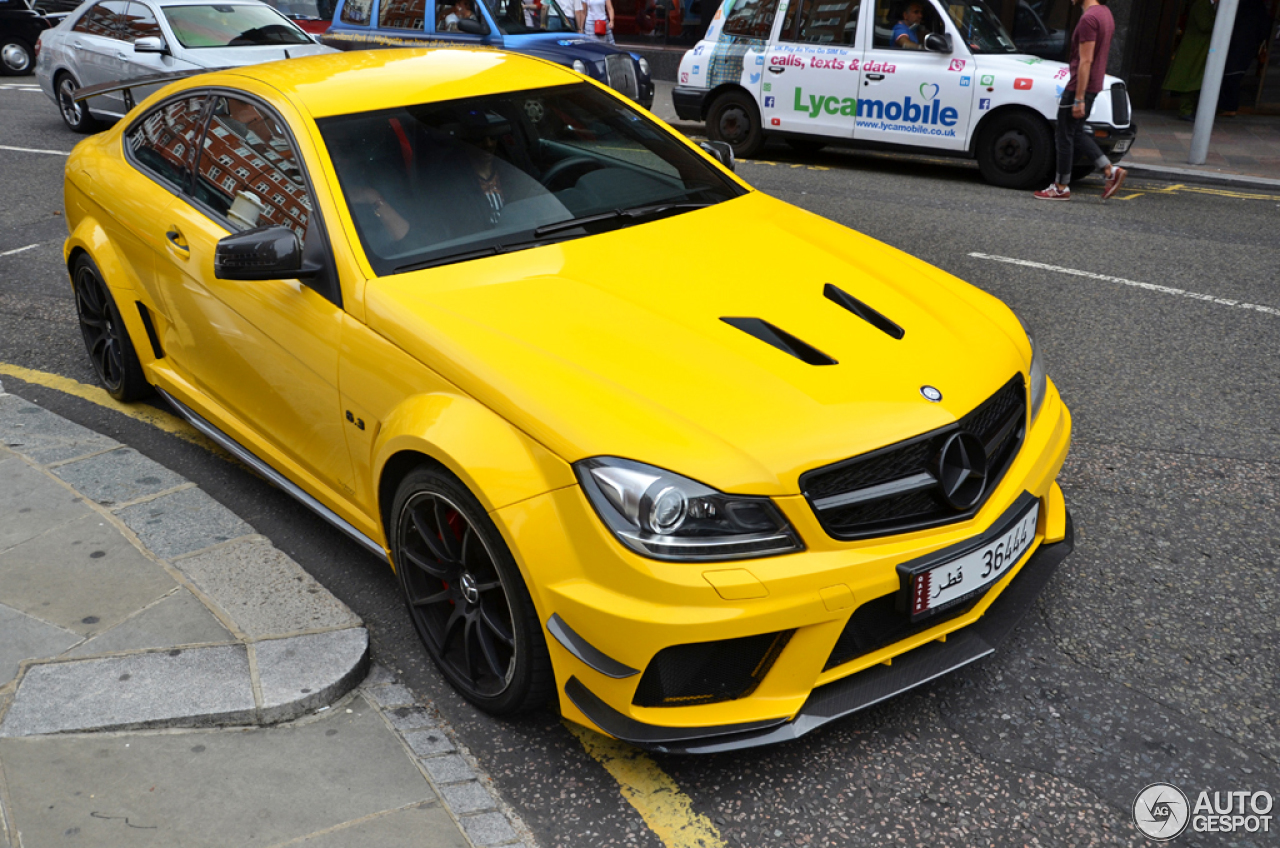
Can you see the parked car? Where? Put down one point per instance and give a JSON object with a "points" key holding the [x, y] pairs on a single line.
{"points": [[20, 28], [704, 493], [831, 73], [545, 29], [122, 39], [314, 16]]}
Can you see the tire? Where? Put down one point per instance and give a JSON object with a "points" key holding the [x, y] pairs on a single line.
{"points": [[106, 339], [465, 596], [75, 115], [16, 57], [1079, 172], [734, 119], [1016, 151], [806, 146]]}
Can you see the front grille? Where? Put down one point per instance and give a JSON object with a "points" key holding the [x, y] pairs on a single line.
{"points": [[620, 70], [878, 623], [709, 672], [1119, 105], [895, 489]]}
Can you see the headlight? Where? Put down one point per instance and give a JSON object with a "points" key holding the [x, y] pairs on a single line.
{"points": [[1039, 379], [666, 516], [580, 66], [644, 64]]}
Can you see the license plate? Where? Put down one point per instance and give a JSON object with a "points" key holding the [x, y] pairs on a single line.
{"points": [[937, 587], [1121, 146]]}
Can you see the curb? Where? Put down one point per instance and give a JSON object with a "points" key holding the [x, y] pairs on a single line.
{"points": [[294, 647]]}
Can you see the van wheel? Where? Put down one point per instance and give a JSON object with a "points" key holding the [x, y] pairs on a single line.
{"points": [[75, 115], [735, 120], [1016, 151]]}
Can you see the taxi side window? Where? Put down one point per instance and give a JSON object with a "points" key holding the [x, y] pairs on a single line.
{"points": [[402, 14], [249, 172], [140, 23], [890, 24], [356, 12], [105, 19], [751, 18], [165, 142], [822, 22]]}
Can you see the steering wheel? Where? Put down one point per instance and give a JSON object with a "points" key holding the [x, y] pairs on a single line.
{"points": [[568, 171]]}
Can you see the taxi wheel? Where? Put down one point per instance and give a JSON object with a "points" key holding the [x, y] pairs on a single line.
{"points": [[466, 597], [75, 115], [15, 56], [105, 337], [734, 119], [1016, 151]]}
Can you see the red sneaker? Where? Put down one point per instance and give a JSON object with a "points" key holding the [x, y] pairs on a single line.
{"points": [[1053, 193], [1114, 181]]}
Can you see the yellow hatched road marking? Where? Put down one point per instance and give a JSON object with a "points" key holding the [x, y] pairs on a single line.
{"points": [[665, 809]]}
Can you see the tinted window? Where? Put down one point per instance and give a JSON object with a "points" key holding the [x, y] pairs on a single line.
{"points": [[751, 18], [105, 19], [232, 26], [356, 12], [823, 21], [249, 172], [402, 14], [164, 143], [140, 22]]}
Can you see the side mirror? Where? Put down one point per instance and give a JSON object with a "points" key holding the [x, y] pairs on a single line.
{"points": [[263, 253], [471, 26], [722, 151], [150, 44], [937, 43]]}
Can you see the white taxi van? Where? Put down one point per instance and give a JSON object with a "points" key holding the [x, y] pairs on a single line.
{"points": [[854, 73]]}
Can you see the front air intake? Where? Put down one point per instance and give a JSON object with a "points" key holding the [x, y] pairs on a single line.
{"points": [[709, 672]]}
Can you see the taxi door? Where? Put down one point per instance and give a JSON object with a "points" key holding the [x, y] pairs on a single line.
{"points": [[812, 69], [914, 96]]}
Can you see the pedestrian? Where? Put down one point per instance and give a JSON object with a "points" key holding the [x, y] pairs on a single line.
{"points": [[1090, 44], [595, 18], [1253, 24], [1186, 69]]}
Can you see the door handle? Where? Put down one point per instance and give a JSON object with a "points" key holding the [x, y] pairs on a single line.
{"points": [[776, 69], [177, 243], [876, 77]]}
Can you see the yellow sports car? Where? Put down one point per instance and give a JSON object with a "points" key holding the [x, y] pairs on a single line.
{"points": [[705, 494]]}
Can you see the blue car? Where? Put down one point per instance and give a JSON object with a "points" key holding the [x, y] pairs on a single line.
{"points": [[535, 27]]}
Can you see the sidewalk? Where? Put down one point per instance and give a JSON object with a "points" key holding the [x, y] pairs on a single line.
{"points": [[168, 677]]}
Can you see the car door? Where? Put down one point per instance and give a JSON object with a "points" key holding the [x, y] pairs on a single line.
{"points": [[917, 97], [262, 356], [97, 42], [812, 69]]}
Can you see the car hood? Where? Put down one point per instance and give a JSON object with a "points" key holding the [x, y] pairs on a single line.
{"points": [[615, 345], [561, 48], [1032, 67], [234, 57]]}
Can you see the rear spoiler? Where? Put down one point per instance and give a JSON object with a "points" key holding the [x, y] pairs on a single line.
{"points": [[127, 86]]}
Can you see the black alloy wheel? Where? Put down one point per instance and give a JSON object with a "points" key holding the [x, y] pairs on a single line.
{"points": [[465, 595], [75, 115], [105, 338], [734, 119], [1016, 151]]}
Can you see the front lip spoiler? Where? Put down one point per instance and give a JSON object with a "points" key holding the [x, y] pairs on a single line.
{"points": [[856, 692]]}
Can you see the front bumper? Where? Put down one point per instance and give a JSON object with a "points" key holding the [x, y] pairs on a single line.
{"points": [[688, 102], [1117, 143]]}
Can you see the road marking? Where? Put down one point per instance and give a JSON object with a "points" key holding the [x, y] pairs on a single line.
{"points": [[665, 809], [1132, 196], [1208, 298], [170, 424], [36, 150], [19, 249]]}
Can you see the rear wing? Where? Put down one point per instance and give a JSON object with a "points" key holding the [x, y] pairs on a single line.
{"points": [[127, 86]]}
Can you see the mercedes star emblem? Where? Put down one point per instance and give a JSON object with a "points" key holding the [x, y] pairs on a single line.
{"points": [[962, 471], [931, 394]]}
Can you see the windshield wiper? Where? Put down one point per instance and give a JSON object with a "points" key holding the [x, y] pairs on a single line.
{"points": [[651, 210], [479, 253]]}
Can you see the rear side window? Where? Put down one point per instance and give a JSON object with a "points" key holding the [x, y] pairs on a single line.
{"points": [[164, 143], [751, 18], [104, 19], [356, 12], [823, 22], [402, 14]]}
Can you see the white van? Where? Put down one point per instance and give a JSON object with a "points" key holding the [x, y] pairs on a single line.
{"points": [[818, 72]]}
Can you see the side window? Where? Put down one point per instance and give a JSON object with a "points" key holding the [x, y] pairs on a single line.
{"points": [[245, 149], [140, 23], [903, 24], [751, 18], [402, 14], [823, 22], [356, 12], [164, 143], [105, 19]]}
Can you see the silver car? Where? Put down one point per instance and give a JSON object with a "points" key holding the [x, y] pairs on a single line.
{"points": [[112, 40]]}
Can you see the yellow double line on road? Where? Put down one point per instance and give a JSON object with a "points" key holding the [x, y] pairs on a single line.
{"points": [[655, 796]]}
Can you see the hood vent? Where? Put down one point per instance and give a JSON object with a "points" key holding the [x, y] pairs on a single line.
{"points": [[781, 339], [866, 313]]}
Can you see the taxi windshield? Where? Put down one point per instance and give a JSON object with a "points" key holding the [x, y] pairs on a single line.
{"points": [[520, 17], [446, 182], [238, 25], [980, 27]]}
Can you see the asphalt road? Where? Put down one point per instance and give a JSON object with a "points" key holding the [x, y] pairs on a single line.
{"points": [[1152, 656]]}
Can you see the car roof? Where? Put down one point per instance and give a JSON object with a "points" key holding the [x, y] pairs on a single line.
{"points": [[368, 80]]}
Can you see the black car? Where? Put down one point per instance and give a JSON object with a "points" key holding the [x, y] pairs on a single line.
{"points": [[20, 27]]}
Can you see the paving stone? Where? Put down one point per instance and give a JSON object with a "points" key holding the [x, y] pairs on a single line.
{"points": [[379, 675], [488, 828], [178, 620], [182, 523], [30, 503], [43, 436], [264, 591], [85, 576], [427, 742], [27, 638], [212, 788], [391, 696], [450, 768], [118, 476], [425, 826], [302, 673], [464, 798], [410, 718], [186, 688]]}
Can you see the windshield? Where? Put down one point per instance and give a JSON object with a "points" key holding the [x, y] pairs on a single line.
{"points": [[980, 27], [232, 26], [446, 182], [520, 17]]}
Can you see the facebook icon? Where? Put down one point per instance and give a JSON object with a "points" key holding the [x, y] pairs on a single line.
{"points": [[768, 103], [984, 103]]}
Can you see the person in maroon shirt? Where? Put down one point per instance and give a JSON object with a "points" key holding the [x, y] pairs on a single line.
{"points": [[1090, 44]]}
